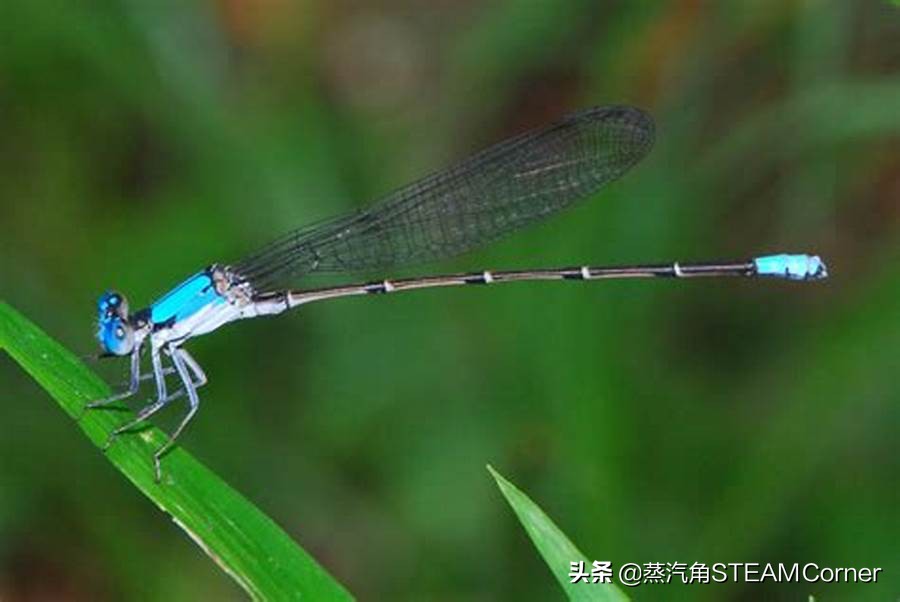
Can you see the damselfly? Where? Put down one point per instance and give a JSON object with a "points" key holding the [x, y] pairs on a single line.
{"points": [[506, 187]]}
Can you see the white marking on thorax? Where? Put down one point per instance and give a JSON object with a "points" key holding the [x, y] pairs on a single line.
{"points": [[203, 321]]}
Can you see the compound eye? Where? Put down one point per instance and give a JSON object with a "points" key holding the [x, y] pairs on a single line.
{"points": [[116, 336], [112, 303]]}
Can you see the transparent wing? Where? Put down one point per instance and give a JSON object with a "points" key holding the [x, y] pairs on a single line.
{"points": [[503, 188]]}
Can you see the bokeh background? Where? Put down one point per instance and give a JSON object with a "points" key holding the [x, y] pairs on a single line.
{"points": [[713, 421]]}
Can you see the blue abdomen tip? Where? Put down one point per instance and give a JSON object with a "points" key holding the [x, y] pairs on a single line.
{"points": [[791, 267]]}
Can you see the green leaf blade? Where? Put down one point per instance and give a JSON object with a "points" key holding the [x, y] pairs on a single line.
{"points": [[244, 542], [555, 548]]}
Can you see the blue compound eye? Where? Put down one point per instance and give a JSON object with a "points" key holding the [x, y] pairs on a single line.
{"points": [[112, 304], [116, 336]]}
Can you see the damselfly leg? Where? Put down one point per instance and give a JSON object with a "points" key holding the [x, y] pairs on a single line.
{"points": [[191, 376]]}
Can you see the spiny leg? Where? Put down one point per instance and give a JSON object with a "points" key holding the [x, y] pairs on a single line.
{"points": [[133, 385], [199, 374], [166, 371], [181, 365], [161, 399]]}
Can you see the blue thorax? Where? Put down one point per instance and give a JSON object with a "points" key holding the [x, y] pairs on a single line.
{"points": [[186, 299]]}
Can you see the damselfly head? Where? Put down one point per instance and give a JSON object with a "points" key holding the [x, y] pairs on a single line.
{"points": [[115, 333]]}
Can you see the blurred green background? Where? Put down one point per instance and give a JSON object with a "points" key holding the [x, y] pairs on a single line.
{"points": [[712, 421]]}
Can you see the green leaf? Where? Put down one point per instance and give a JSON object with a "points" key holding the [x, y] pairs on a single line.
{"points": [[243, 541], [556, 549]]}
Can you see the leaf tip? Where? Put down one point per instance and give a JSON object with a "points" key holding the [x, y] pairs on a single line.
{"points": [[499, 478]]}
